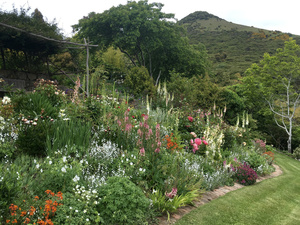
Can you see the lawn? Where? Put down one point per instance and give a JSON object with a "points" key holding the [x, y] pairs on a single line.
{"points": [[272, 201]]}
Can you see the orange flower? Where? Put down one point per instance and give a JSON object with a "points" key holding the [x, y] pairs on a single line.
{"points": [[32, 210], [41, 222], [7, 221], [36, 197], [23, 213], [27, 220], [59, 194], [14, 221], [50, 192]]}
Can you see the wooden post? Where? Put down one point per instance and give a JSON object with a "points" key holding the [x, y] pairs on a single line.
{"points": [[87, 67]]}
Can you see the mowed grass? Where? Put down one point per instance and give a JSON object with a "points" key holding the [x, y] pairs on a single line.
{"points": [[272, 201]]}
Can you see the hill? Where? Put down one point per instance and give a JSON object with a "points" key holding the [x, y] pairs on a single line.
{"points": [[232, 47]]}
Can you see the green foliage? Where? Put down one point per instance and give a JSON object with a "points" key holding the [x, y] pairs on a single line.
{"points": [[296, 153], [275, 81], [78, 208], [197, 91], [34, 104], [163, 204], [147, 36], [255, 160], [73, 134], [139, 81], [32, 136], [10, 185], [117, 193]]}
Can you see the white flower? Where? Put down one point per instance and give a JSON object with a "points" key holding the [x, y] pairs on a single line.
{"points": [[87, 219], [41, 170], [70, 207], [50, 162], [76, 210], [64, 159], [6, 100], [63, 169], [37, 166], [84, 211], [76, 178]]}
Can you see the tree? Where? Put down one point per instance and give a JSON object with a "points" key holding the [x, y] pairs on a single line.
{"points": [[276, 81], [17, 44], [147, 36]]}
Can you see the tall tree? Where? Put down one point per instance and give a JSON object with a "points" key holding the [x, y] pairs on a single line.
{"points": [[146, 35], [276, 80]]}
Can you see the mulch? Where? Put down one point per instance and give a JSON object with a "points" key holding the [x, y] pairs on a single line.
{"points": [[209, 196]]}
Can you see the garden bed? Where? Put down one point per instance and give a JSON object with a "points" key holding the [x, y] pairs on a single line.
{"points": [[211, 195]]}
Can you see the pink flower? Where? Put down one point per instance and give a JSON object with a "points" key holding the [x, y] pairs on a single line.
{"points": [[128, 127], [158, 144], [172, 194], [191, 142], [142, 152], [195, 146], [140, 133], [198, 141], [191, 119], [119, 122], [157, 150], [205, 142]]}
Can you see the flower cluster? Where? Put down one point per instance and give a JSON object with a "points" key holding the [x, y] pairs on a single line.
{"points": [[39, 213], [245, 175], [171, 142], [196, 143], [6, 100]]}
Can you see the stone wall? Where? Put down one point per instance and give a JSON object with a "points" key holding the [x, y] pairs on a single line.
{"points": [[21, 80]]}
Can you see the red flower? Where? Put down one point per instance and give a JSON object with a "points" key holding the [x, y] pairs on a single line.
{"points": [[191, 119]]}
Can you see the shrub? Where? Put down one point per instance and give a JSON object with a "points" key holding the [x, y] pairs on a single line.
{"points": [[32, 136], [122, 202], [296, 153], [255, 160], [139, 81], [34, 104], [245, 175]]}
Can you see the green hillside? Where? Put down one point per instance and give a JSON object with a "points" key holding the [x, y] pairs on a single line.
{"points": [[232, 47]]}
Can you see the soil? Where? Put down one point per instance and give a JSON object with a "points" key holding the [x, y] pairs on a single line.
{"points": [[209, 196]]}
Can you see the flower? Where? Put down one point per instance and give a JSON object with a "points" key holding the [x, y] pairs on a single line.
{"points": [[198, 141], [142, 152], [191, 119], [6, 100], [76, 178], [63, 169], [205, 142], [191, 141], [172, 194]]}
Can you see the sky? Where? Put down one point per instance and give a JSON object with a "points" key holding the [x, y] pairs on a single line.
{"points": [[266, 14]]}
